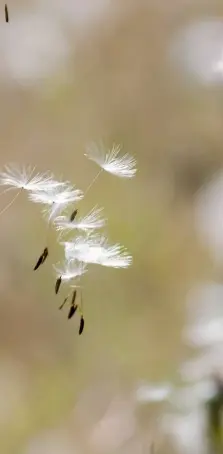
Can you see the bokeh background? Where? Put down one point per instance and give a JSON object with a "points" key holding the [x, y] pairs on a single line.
{"points": [[147, 74]]}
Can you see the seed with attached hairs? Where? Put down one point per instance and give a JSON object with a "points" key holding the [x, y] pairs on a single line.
{"points": [[57, 285], [73, 215], [81, 325], [64, 302], [6, 14], [72, 311]]}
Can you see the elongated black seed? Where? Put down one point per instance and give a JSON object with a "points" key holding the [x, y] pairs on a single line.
{"points": [[38, 263], [41, 259], [45, 254], [6, 14], [57, 285], [64, 302], [72, 311], [74, 297], [81, 328], [73, 215]]}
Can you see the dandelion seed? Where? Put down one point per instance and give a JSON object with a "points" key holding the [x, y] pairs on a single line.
{"points": [[6, 14], [110, 161], [57, 285], [72, 311], [41, 259], [96, 250], [71, 270], [81, 327], [63, 303], [24, 178], [56, 199], [91, 221], [73, 215], [39, 262], [74, 297]]}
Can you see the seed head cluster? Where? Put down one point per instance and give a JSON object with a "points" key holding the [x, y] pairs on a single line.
{"points": [[85, 244]]}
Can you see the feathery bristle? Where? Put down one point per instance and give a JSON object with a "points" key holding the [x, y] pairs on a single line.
{"points": [[110, 160], [91, 221]]}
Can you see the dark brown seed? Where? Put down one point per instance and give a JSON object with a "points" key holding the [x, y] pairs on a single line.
{"points": [[74, 297], [41, 259], [38, 263], [6, 14], [81, 325], [45, 254], [57, 285], [73, 215], [64, 302], [72, 311]]}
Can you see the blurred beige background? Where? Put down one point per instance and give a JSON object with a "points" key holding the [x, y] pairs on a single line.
{"points": [[72, 71]]}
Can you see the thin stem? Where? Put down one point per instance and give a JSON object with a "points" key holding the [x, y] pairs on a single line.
{"points": [[93, 181], [81, 304], [48, 233], [49, 225], [10, 203], [6, 190]]}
